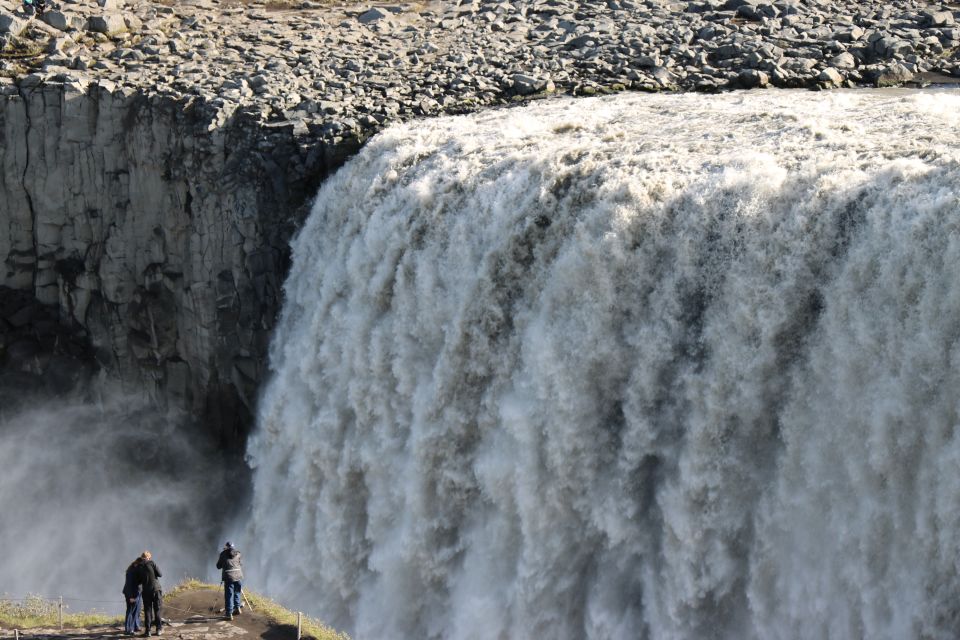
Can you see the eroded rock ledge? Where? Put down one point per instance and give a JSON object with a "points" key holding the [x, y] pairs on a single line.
{"points": [[157, 225], [156, 156]]}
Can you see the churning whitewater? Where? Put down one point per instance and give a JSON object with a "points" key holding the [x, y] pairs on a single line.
{"points": [[675, 366]]}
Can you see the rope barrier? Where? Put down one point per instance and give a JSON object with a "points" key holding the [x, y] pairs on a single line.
{"points": [[118, 604], [67, 599], [53, 599]]}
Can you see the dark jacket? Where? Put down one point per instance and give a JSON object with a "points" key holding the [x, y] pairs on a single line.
{"points": [[131, 584], [147, 576], [229, 561]]}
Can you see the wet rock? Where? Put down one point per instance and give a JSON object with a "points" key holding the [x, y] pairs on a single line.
{"points": [[889, 76], [830, 77], [752, 79]]}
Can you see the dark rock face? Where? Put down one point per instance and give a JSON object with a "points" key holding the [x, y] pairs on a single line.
{"points": [[41, 354], [147, 237]]}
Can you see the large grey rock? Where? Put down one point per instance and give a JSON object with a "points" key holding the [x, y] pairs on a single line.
{"points": [[108, 23], [845, 60], [11, 25], [890, 76], [373, 15], [752, 79], [525, 84], [758, 11], [60, 44], [56, 19], [933, 18], [830, 77]]}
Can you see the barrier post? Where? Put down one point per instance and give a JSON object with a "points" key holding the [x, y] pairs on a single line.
{"points": [[61, 613], [299, 620]]}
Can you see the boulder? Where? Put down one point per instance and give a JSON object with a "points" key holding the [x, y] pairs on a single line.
{"points": [[525, 85], [830, 77], [373, 15], [11, 24], [757, 12], [890, 76], [56, 19], [751, 79], [60, 44], [108, 23], [845, 60], [932, 18]]}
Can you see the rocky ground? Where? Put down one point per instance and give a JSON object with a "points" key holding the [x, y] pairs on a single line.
{"points": [[337, 68]]}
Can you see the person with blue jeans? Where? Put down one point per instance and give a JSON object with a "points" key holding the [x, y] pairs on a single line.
{"points": [[232, 575], [132, 597]]}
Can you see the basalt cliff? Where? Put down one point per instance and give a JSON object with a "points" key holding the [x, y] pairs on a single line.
{"points": [[156, 157]]}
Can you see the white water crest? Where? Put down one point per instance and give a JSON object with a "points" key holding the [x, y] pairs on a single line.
{"points": [[675, 366]]}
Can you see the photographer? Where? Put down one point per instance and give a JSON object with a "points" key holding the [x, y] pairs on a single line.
{"points": [[232, 574]]}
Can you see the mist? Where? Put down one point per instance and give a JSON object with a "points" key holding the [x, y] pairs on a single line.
{"points": [[86, 486]]}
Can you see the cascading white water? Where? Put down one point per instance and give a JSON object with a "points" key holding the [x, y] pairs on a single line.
{"points": [[639, 367]]}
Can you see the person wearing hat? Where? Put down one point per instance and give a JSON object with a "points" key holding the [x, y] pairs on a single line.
{"points": [[232, 574]]}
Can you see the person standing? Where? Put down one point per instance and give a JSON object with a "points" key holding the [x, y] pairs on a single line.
{"points": [[148, 576], [131, 594], [232, 575]]}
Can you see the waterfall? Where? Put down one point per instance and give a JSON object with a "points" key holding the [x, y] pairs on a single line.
{"points": [[645, 366]]}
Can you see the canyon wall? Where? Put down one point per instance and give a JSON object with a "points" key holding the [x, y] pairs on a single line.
{"points": [[153, 231]]}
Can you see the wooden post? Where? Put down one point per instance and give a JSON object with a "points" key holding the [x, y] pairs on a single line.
{"points": [[299, 622], [61, 613]]}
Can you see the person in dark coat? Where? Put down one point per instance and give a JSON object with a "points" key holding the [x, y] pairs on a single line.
{"points": [[232, 575], [131, 595], [148, 576]]}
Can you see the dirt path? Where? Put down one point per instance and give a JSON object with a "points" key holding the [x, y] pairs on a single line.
{"points": [[189, 616]]}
